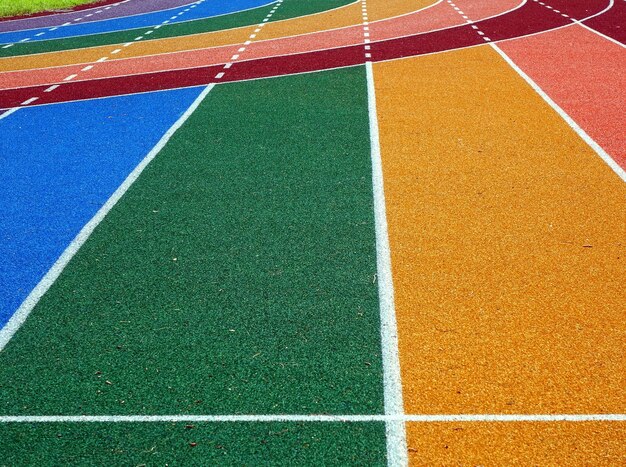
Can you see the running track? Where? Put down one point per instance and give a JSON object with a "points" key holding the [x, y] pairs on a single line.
{"points": [[503, 168]]}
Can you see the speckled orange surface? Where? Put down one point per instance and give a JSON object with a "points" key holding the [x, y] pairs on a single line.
{"points": [[507, 235], [540, 444]]}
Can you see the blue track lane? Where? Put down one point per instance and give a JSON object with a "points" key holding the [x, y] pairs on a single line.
{"points": [[58, 165], [207, 9]]}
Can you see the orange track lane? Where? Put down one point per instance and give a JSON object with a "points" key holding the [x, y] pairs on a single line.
{"points": [[507, 238], [472, 444], [584, 74], [340, 17], [439, 16]]}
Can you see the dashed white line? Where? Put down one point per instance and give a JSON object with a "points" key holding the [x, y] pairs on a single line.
{"points": [[52, 88]]}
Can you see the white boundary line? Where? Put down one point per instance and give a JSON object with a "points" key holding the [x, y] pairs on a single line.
{"points": [[604, 36], [19, 317], [595, 146], [435, 418], [392, 380]]}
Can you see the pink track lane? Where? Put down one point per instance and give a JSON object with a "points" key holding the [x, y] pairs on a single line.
{"points": [[438, 16], [584, 74]]}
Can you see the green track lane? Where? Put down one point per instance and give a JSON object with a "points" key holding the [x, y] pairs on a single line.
{"points": [[236, 276], [289, 9], [194, 444]]}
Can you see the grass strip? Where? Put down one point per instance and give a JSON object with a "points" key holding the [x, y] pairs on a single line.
{"points": [[19, 7]]}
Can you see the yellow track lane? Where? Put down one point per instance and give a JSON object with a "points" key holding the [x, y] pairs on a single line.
{"points": [[507, 236], [561, 443], [348, 15]]}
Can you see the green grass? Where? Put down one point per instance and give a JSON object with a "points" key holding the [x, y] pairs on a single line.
{"points": [[20, 7], [235, 276]]}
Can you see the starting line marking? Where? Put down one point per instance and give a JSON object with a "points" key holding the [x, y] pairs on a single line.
{"points": [[443, 418]]}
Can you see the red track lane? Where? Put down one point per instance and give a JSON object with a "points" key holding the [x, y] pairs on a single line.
{"points": [[583, 73], [612, 23], [87, 6], [530, 18]]}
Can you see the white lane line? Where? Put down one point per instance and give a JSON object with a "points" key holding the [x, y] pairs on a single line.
{"points": [[7, 46], [29, 101], [87, 68], [20, 316], [9, 112], [580, 23], [472, 25], [242, 49], [394, 406], [52, 88], [69, 78], [116, 51], [621, 173], [437, 418]]}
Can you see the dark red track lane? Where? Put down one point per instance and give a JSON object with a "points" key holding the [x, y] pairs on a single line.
{"points": [[528, 19], [612, 23]]}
